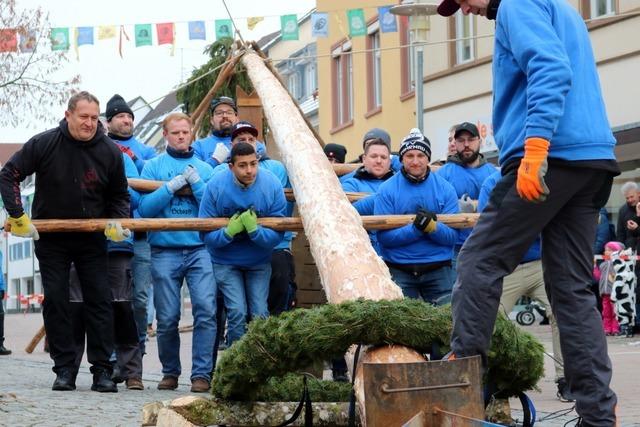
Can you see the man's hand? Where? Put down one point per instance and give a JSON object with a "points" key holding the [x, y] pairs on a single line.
{"points": [[234, 226], [220, 153], [466, 204], [632, 225], [533, 168], [176, 183], [114, 231], [191, 174], [249, 220], [22, 227], [425, 221]]}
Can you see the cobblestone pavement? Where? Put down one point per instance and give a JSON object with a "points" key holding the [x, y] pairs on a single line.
{"points": [[26, 398]]}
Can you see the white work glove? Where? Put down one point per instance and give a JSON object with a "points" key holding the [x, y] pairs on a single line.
{"points": [[113, 231], [176, 183], [221, 153], [191, 174], [466, 204]]}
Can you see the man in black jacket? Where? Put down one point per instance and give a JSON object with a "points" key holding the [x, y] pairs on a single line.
{"points": [[79, 174], [627, 230]]}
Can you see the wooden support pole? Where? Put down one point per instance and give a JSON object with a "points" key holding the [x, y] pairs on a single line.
{"points": [[87, 225], [35, 340]]}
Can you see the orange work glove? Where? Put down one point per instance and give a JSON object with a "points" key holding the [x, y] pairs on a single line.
{"points": [[533, 168]]}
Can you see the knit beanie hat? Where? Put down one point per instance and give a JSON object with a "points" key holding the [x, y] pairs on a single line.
{"points": [[415, 141], [117, 105], [614, 246], [377, 133]]}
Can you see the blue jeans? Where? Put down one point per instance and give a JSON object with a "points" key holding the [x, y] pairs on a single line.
{"points": [[141, 270], [432, 286], [245, 290], [169, 268]]}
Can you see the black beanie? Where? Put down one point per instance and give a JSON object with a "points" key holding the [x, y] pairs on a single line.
{"points": [[415, 141], [117, 105]]}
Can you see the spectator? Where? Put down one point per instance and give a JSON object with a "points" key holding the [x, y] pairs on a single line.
{"points": [[418, 254], [466, 170], [120, 126], [78, 159], [604, 233], [180, 255], [627, 229], [556, 175], [336, 153], [605, 275], [242, 250], [375, 134]]}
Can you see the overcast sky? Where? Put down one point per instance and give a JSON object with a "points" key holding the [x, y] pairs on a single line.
{"points": [[148, 71]]}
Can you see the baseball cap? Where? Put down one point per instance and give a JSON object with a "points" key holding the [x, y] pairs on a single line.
{"points": [[467, 127], [243, 126], [223, 100]]}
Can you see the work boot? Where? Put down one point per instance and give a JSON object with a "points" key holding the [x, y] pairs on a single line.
{"points": [[564, 394], [102, 383], [168, 383], [116, 376], [4, 351], [135, 384], [65, 381], [199, 385]]}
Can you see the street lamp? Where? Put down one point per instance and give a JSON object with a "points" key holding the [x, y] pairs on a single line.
{"points": [[418, 12]]}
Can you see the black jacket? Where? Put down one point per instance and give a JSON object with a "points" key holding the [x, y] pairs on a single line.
{"points": [[623, 234], [74, 179]]}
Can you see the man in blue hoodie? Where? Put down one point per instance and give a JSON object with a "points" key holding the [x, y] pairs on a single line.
{"points": [[558, 162], [120, 126], [242, 250], [418, 254], [180, 255], [466, 170]]}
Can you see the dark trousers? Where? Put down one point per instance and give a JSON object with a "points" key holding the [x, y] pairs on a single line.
{"points": [[1, 317], [283, 274], [128, 353], [56, 252], [504, 232]]}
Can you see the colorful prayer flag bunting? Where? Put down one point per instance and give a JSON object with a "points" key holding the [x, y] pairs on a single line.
{"points": [[289, 27], [388, 23], [143, 34], [60, 38], [28, 41], [357, 24], [165, 33], [253, 21], [197, 30], [319, 24], [8, 40], [224, 28], [106, 32], [84, 35]]}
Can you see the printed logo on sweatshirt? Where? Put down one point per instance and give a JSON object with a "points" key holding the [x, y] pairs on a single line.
{"points": [[90, 179]]}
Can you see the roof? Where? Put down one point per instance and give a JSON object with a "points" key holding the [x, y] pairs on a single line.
{"points": [[168, 103], [7, 150], [278, 35]]}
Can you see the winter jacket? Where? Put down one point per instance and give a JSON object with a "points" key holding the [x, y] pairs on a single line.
{"points": [[630, 238], [142, 152]]}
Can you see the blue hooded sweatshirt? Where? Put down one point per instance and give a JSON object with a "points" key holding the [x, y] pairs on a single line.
{"points": [[163, 204], [465, 180], [407, 244], [142, 152], [546, 84], [224, 197], [204, 148]]}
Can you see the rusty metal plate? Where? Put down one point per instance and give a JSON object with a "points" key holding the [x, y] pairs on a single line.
{"points": [[397, 392]]}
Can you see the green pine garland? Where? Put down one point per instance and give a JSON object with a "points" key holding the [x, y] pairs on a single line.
{"points": [[275, 346]]}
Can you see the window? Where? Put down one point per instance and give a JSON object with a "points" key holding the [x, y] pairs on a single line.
{"points": [[293, 84], [464, 44], [602, 7], [27, 248], [16, 252], [342, 71], [310, 79], [374, 71]]}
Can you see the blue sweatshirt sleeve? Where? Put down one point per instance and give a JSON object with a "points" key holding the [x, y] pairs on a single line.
{"points": [[152, 204], [486, 189], [266, 237], [215, 238], [365, 206], [398, 236], [541, 55]]}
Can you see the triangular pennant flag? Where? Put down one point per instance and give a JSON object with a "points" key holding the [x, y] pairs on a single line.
{"points": [[28, 41], [143, 35], [59, 38], [319, 24], [224, 28], [84, 35], [388, 23], [253, 21], [197, 30], [357, 24], [8, 40], [106, 32], [165, 33], [289, 27]]}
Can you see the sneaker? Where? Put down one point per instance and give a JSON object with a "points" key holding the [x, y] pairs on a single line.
{"points": [[564, 394], [199, 385], [102, 383], [65, 381], [135, 384], [168, 383], [4, 351]]}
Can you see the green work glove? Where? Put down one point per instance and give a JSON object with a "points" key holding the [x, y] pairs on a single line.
{"points": [[249, 220], [234, 226]]}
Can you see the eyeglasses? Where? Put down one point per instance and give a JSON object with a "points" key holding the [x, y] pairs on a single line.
{"points": [[224, 113], [469, 140]]}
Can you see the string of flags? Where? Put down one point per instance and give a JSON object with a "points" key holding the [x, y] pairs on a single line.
{"points": [[64, 38]]}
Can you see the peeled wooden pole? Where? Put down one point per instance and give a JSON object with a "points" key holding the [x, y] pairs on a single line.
{"points": [[349, 267]]}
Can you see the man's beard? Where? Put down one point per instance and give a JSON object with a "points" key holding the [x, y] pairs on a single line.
{"points": [[468, 158], [225, 130]]}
